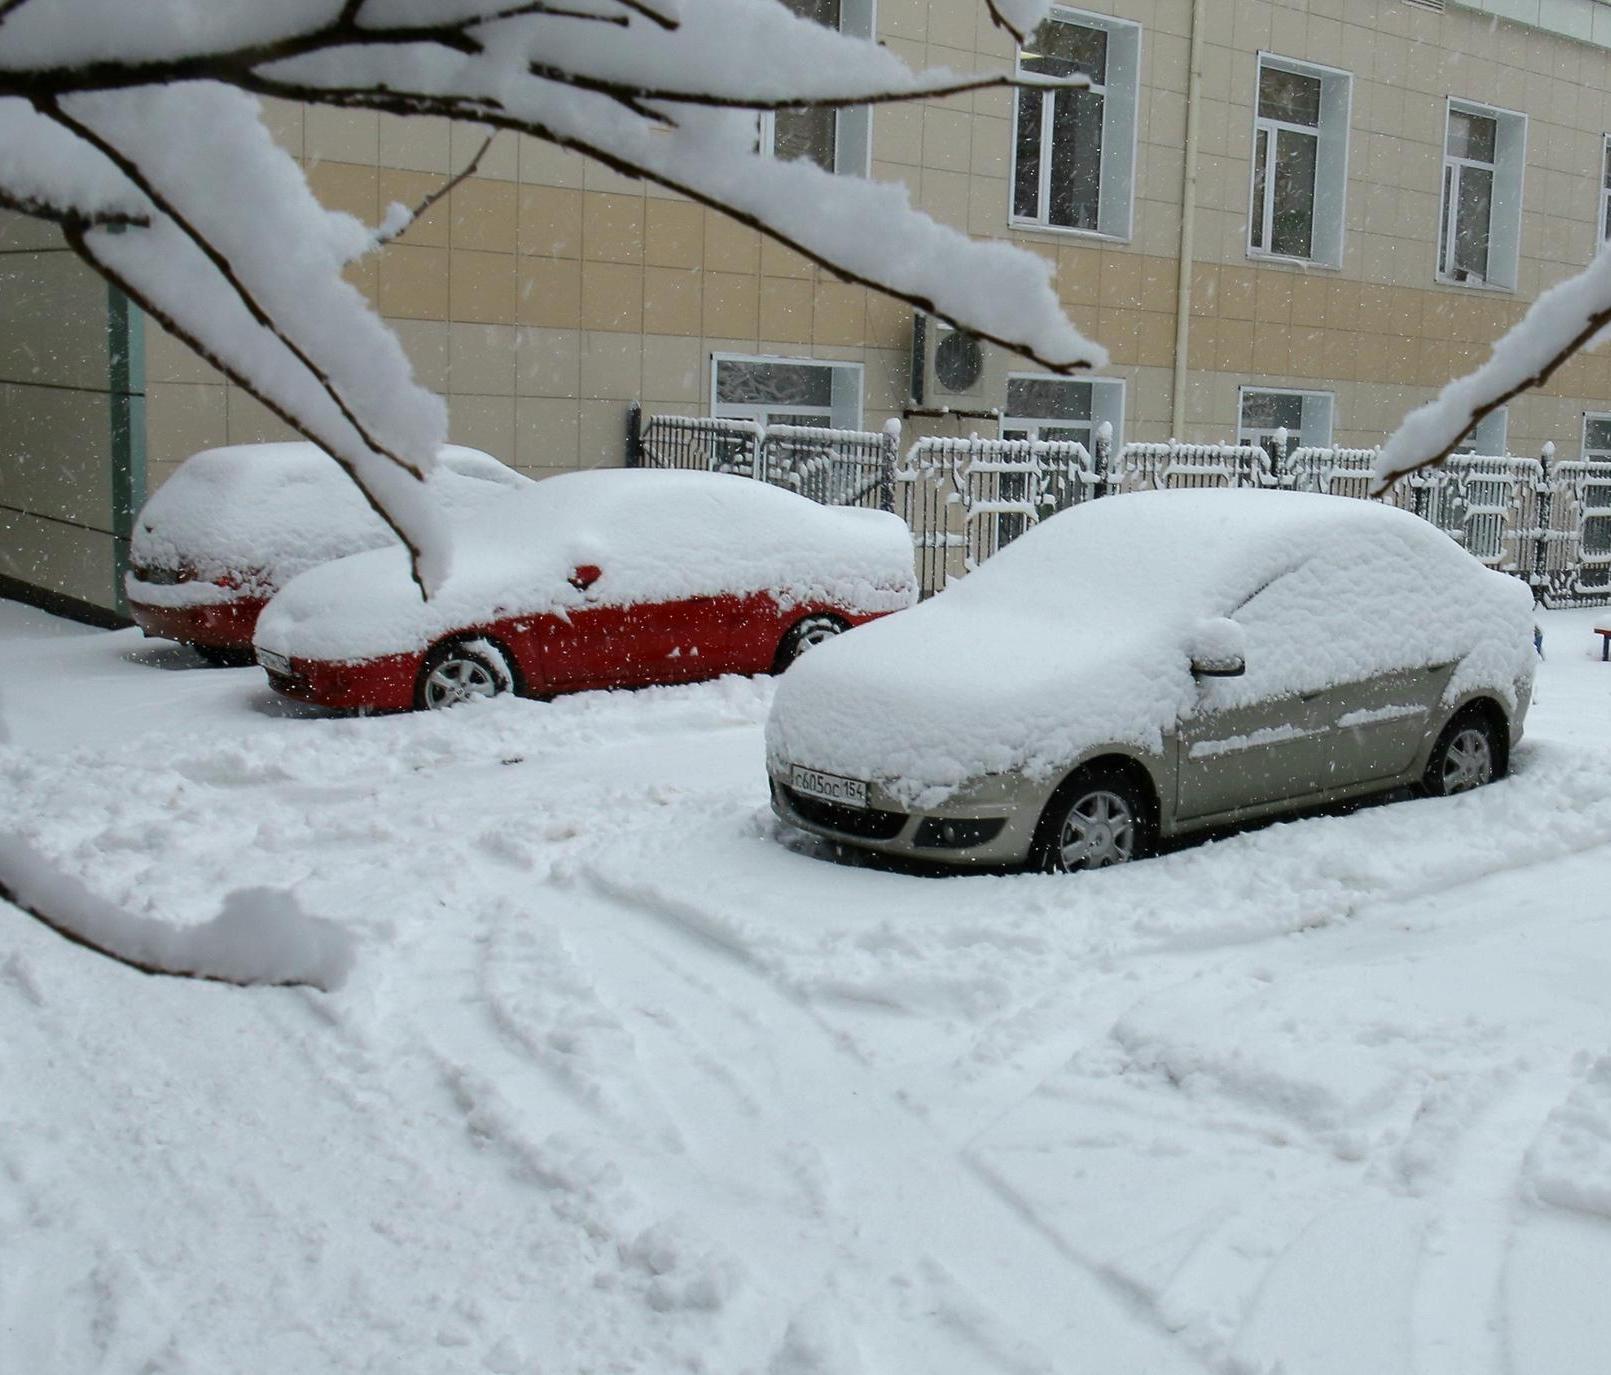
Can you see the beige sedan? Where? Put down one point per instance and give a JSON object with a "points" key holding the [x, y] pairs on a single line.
{"points": [[1151, 665]]}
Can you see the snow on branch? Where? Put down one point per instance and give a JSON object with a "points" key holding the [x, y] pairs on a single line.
{"points": [[261, 935], [133, 127], [1565, 319]]}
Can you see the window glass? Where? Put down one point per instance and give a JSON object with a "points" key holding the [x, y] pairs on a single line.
{"points": [[1026, 172], [1473, 213], [1472, 136], [773, 384], [1292, 220], [806, 135], [1048, 398], [1289, 97], [1075, 188], [1061, 49], [1270, 410], [1597, 436]]}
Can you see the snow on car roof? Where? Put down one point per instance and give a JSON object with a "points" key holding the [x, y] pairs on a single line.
{"points": [[1079, 634], [279, 508], [654, 534]]}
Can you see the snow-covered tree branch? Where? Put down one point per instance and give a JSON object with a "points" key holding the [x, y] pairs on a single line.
{"points": [[136, 129], [1567, 318]]}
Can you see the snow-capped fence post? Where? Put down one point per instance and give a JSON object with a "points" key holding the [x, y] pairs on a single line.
{"points": [[1544, 516], [634, 444], [887, 460]]}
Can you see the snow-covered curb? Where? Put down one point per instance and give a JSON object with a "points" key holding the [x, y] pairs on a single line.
{"points": [[261, 935]]}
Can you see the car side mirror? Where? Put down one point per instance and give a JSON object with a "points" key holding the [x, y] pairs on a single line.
{"points": [[583, 576], [1219, 649]]}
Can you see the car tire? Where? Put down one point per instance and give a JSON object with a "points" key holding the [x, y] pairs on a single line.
{"points": [[219, 656], [804, 635], [458, 670], [1468, 754], [1102, 811]]}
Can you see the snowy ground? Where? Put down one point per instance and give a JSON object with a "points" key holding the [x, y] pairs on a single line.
{"points": [[619, 1082]]}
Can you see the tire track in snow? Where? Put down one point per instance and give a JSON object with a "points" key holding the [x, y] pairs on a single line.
{"points": [[901, 1206], [1460, 1323]]}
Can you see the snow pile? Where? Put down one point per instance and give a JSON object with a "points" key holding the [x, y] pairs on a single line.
{"points": [[259, 514], [1570, 1163], [1080, 635], [654, 535], [261, 935]]}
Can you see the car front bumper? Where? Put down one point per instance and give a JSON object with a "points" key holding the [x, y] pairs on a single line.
{"points": [[385, 684], [216, 625], [986, 824]]}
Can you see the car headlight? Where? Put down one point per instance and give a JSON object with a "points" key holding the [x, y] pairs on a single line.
{"points": [[274, 663]]}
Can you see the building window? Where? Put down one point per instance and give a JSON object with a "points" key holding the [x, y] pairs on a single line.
{"points": [[1300, 161], [1271, 415], [1488, 437], [786, 391], [1605, 193], [1061, 410], [1479, 229], [1074, 150], [836, 140]]}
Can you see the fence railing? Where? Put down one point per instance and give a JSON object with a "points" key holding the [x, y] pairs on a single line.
{"points": [[1546, 521], [833, 467]]}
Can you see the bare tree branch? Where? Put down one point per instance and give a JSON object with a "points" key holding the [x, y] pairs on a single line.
{"points": [[382, 238], [1595, 323]]}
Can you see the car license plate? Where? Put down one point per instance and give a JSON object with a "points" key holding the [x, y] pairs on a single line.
{"points": [[830, 787], [274, 663]]}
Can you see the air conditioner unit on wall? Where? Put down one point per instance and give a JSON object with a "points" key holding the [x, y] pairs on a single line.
{"points": [[951, 371]]}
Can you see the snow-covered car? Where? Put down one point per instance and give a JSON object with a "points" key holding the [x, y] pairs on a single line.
{"points": [[1154, 664], [614, 578], [233, 525]]}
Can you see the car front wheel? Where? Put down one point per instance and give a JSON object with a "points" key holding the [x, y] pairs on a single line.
{"points": [[1096, 820], [804, 635], [457, 672], [1465, 757]]}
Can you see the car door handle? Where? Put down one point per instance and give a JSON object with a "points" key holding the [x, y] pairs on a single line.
{"points": [[1310, 696]]}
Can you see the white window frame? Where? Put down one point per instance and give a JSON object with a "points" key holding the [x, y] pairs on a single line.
{"points": [[1319, 412], [1331, 137], [1593, 455], [1489, 436], [1121, 124], [853, 124], [1107, 407], [1509, 174], [1603, 228], [843, 412]]}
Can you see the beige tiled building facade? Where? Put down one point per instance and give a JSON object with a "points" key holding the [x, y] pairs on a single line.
{"points": [[1381, 188]]}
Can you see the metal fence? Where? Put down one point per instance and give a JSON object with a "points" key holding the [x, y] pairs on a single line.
{"points": [[834, 467], [1546, 521]]}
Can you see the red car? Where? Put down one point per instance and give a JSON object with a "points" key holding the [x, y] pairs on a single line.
{"points": [[233, 525], [590, 580]]}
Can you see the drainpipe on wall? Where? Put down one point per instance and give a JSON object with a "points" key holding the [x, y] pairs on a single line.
{"points": [[125, 385], [1188, 224]]}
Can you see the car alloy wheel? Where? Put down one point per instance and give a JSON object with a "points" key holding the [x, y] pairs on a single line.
{"points": [[1099, 829], [804, 635], [457, 673], [1466, 761]]}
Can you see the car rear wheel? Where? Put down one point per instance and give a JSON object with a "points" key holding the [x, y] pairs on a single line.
{"points": [[459, 671], [804, 635], [1097, 819], [1466, 756]]}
